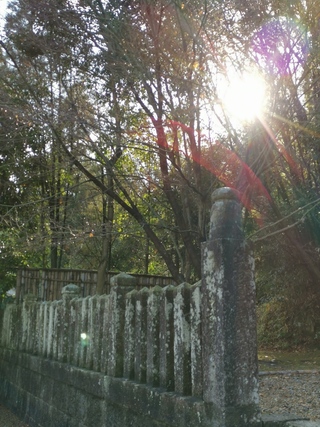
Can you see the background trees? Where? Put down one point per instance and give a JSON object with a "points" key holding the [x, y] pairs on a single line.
{"points": [[115, 110]]}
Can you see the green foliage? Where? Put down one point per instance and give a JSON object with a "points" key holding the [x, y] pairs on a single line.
{"points": [[283, 324], [113, 138], [273, 330], [287, 295]]}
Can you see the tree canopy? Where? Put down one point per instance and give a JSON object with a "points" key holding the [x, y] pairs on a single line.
{"points": [[115, 131]]}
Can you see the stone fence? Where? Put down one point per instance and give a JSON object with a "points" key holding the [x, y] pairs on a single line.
{"points": [[171, 357], [89, 333]]}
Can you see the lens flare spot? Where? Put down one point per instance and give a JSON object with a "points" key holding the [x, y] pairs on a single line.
{"points": [[281, 46], [244, 97]]}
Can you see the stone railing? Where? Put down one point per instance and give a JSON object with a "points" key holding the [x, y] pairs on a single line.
{"points": [[151, 336], [195, 341]]}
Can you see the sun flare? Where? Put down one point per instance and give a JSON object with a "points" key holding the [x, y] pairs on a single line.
{"points": [[244, 97]]}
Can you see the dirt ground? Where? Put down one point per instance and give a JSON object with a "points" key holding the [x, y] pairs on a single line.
{"points": [[8, 419]]}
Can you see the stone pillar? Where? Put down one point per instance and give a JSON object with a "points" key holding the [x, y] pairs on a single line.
{"points": [[28, 322], [167, 338], [105, 332], [129, 334], [49, 333], [195, 340], [141, 325], [121, 284], [69, 292], [153, 336], [92, 332], [230, 367], [97, 321], [182, 347], [83, 335]]}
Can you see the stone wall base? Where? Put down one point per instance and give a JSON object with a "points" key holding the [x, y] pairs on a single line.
{"points": [[45, 393]]}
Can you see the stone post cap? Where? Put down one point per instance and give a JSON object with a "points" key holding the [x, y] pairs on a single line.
{"points": [[123, 280], [70, 291], [225, 217], [30, 298], [225, 193]]}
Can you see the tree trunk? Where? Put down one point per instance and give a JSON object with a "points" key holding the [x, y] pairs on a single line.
{"points": [[107, 225]]}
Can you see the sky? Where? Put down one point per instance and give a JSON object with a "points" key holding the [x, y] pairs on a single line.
{"points": [[3, 7]]}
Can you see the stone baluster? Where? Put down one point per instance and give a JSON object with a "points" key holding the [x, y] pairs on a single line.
{"points": [[105, 330], [153, 332], [167, 338], [83, 335], [182, 343], [69, 292], [97, 307], [57, 329], [129, 334], [121, 284], [195, 338], [140, 353], [92, 331]]}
